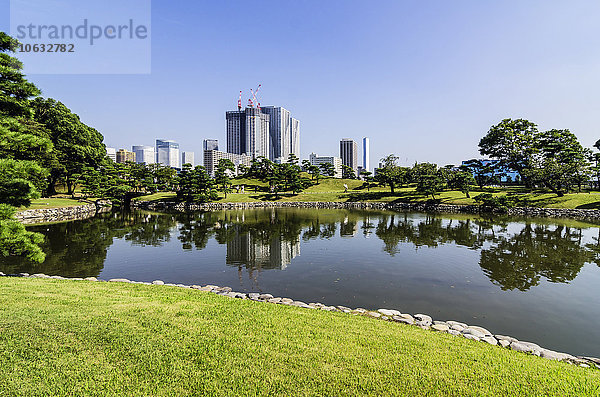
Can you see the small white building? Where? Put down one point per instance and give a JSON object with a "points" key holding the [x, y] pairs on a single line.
{"points": [[336, 161], [111, 153]]}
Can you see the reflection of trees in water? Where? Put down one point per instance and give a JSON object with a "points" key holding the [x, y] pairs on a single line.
{"points": [[79, 248], [513, 261], [270, 239]]}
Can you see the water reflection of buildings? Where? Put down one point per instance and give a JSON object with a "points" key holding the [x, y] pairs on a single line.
{"points": [[251, 251]]}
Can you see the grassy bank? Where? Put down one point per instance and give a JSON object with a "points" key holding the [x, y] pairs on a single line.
{"points": [[52, 202], [330, 189], [83, 338]]}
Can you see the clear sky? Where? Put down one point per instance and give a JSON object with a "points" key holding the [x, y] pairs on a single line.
{"points": [[423, 80]]}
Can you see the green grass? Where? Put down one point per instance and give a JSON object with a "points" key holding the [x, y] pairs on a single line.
{"points": [[64, 338], [53, 202]]}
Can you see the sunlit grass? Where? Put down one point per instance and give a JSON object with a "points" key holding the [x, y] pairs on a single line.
{"points": [[64, 338]]}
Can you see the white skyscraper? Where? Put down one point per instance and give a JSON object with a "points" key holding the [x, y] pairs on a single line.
{"points": [[366, 148], [111, 153], [167, 153], [279, 133], [144, 154], [295, 136], [187, 157]]}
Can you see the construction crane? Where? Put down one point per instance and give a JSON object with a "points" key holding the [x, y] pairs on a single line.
{"points": [[240, 101], [254, 96]]}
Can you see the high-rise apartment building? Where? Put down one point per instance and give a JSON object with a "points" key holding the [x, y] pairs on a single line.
{"points": [[167, 153], [248, 132], [336, 161], [349, 153], [111, 153], [366, 153], [210, 144], [187, 158], [123, 156], [279, 133], [212, 157], [144, 154]]}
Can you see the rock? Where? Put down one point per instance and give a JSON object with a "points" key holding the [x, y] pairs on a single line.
{"points": [[223, 289], [584, 365], [423, 317], [490, 339], [360, 310], [318, 305], [441, 323], [440, 327], [423, 324], [389, 312], [451, 324], [407, 316], [119, 280], [480, 329], [23, 274], [39, 275], [457, 327], [265, 297], [552, 355], [328, 308], [510, 339], [196, 286], [2, 274], [77, 279], [254, 296], [403, 320], [300, 304], [504, 343], [240, 295], [344, 309], [593, 359], [454, 332], [274, 300], [206, 288], [474, 332], [211, 286], [471, 336], [57, 277], [373, 314], [158, 282], [526, 347], [90, 279], [286, 300]]}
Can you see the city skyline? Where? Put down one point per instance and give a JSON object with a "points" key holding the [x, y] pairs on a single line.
{"points": [[409, 74]]}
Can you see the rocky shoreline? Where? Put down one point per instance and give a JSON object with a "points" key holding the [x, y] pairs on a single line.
{"points": [[583, 214], [44, 215], [424, 321]]}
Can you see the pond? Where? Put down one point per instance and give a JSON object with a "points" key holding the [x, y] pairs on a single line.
{"points": [[537, 279]]}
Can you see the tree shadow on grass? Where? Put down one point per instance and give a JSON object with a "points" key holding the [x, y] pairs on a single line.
{"points": [[589, 206]]}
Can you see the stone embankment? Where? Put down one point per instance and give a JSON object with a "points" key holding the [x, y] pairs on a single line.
{"points": [[424, 321], [427, 207], [44, 215]]}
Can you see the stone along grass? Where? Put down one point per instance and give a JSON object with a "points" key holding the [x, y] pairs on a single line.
{"points": [[61, 337], [53, 202]]}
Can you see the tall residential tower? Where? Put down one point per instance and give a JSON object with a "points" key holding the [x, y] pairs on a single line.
{"points": [[167, 153], [349, 153], [248, 132], [366, 156]]}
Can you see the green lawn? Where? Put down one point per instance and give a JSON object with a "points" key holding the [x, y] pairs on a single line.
{"points": [[52, 202], [331, 189], [64, 338]]}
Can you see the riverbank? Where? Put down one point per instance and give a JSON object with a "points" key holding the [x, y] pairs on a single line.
{"points": [[132, 339], [59, 210], [160, 205]]}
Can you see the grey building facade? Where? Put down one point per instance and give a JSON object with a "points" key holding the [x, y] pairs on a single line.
{"points": [[349, 153], [248, 132], [167, 153], [210, 144]]}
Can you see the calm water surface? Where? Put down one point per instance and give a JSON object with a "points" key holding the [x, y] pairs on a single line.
{"points": [[537, 280]]}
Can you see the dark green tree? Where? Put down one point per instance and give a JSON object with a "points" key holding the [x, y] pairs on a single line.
{"points": [[225, 168], [327, 169]]}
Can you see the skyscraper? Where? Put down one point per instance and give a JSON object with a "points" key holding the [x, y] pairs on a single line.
{"points": [[279, 133], [187, 158], [210, 144], [124, 156], [248, 132], [366, 155], [349, 153], [295, 136], [144, 154], [167, 153]]}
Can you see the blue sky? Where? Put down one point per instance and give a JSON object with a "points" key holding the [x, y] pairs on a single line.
{"points": [[423, 80]]}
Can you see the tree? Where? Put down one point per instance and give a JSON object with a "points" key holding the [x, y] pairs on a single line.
{"points": [[21, 181], [512, 142], [15, 90], [391, 174], [462, 181], [225, 167], [482, 171], [348, 172], [327, 169], [15, 240], [195, 185], [76, 145], [559, 162]]}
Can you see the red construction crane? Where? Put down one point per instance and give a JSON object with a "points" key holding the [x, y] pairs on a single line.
{"points": [[240, 101], [254, 96]]}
